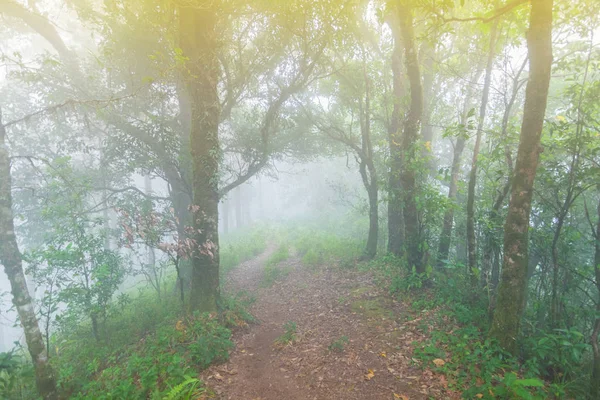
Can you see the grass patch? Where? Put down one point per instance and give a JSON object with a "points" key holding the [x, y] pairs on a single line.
{"points": [[273, 271], [372, 308], [338, 345], [317, 248], [240, 248], [289, 335]]}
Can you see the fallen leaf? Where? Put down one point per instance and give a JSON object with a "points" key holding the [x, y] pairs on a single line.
{"points": [[400, 396], [439, 362], [444, 381], [369, 375], [218, 376], [479, 395], [382, 354]]}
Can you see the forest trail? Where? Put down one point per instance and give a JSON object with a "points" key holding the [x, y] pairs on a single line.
{"points": [[372, 357]]}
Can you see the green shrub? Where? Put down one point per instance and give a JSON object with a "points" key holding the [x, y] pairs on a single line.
{"points": [[312, 259], [17, 379], [289, 335], [235, 310], [207, 340], [186, 390], [338, 344]]}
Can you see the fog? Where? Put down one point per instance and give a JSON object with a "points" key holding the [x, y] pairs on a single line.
{"points": [[299, 199]]}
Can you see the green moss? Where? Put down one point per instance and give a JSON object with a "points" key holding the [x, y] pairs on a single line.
{"points": [[372, 308]]}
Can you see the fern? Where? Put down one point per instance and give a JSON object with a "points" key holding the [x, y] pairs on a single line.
{"points": [[179, 392]]}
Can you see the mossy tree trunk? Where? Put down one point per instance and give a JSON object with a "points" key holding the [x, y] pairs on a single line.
{"points": [[198, 38], [513, 282], [11, 259], [595, 384], [410, 142], [395, 209]]}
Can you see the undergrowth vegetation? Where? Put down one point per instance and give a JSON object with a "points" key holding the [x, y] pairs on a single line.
{"points": [[455, 324], [288, 336], [322, 249], [150, 347], [273, 271]]}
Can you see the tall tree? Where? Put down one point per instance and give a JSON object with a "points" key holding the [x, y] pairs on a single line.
{"points": [[471, 238], [410, 140], [349, 120], [459, 147], [395, 209], [513, 283], [11, 258], [198, 37], [595, 384]]}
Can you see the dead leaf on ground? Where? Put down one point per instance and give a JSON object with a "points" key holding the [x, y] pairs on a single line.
{"points": [[444, 381], [369, 375], [400, 396], [439, 362]]}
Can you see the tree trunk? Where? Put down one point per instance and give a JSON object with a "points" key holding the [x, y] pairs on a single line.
{"points": [[371, 248], [10, 257], [471, 238], [595, 385], [198, 38], [225, 208], [513, 282], [395, 208], [368, 172], [446, 235], [410, 143], [491, 249], [238, 207], [426, 127]]}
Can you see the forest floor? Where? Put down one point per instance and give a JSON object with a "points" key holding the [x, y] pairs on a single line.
{"points": [[352, 340]]}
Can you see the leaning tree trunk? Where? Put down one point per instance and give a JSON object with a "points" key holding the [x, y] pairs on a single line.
{"points": [[513, 283], [10, 257], [395, 209], [198, 38], [471, 238], [410, 142]]}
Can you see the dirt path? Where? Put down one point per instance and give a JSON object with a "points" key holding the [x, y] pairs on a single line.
{"points": [[372, 357]]}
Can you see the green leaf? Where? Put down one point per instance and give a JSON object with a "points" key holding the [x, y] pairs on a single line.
{"points": [[532, 382]]}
